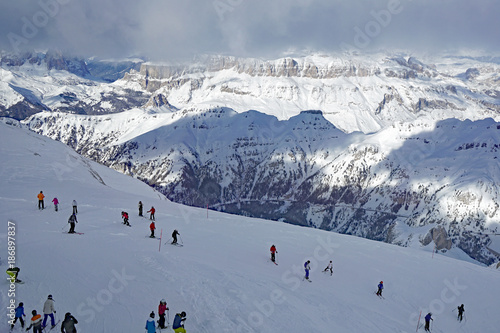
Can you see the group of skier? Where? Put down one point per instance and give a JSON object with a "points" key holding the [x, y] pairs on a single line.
{"points": [[152, 225], [151, 211], [55, 201], [380, 286], [177, 325], [67, 326], [307, 266], [72, 219]]}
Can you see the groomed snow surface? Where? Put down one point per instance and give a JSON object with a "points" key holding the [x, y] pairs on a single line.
{"points": [[113, 276]]}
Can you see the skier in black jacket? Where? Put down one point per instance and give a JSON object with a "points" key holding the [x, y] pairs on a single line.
{"points": [[174, 236], [72, 221], [461, 311]]}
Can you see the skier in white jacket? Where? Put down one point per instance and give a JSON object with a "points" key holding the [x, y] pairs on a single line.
{"points": [[48, 311]]}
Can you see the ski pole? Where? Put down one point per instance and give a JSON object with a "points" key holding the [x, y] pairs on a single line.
{"points": [[168, 241], [181, 239], [418, 324], [168, 318]]}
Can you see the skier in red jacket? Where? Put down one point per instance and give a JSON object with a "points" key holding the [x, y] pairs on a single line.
{"points": [[161, 311], [125, 218], [152, 228], [152, 215], [273, 253]]}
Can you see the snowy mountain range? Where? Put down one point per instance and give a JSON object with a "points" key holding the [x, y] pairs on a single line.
{"points": [[400, 150], [112, 276]]}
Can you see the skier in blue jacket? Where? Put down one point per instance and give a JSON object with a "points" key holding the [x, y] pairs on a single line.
{"points": [[380, 288], [19, 315], [428, 319], [307, 268], [178, 326], [150, 323]]}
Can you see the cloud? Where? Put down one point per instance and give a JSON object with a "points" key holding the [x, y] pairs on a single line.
{"points": [[173, 29]]}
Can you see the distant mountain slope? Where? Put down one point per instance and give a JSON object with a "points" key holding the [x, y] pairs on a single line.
{"points": [[305, 171], [356, 93]]}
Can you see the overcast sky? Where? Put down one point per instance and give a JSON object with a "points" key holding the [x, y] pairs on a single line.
{"points": [[179, 29]]}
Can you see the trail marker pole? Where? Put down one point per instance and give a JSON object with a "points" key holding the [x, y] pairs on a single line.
{"points": [[418, 324], [159, 246]]}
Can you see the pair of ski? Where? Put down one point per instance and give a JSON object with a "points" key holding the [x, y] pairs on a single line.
{"points": [[49, 329], [158, 328], [76, 233], [379, 296]]}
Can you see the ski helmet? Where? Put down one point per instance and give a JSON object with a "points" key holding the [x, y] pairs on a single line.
{"points": [[33, 312], [163, 301], [152, 314], [67, 315], [183, 314], [382, 282], [21, 304], [49, 297]]}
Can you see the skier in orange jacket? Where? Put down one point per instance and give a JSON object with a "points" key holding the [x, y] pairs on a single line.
{"points": [[40, 197]]}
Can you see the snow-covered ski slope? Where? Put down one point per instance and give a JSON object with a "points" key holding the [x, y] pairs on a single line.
{"points": [[112, 277]]}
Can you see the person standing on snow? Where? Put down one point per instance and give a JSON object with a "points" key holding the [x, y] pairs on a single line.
{"points": [[161, 312], [380, 288], [178, 325], [273, 253], [56, 202], [140, 208], [329, 268], [19, 315], [68, 324], [307, 268], [150, 323], [152, 228], [40, 197], [75, 209], [174, 236], [152, 215], [461, 311], [72, 222], [428, 319], [36, 322], [48, 311]]}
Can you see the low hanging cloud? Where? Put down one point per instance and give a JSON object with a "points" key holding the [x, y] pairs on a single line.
{"points": [[176, 30]]}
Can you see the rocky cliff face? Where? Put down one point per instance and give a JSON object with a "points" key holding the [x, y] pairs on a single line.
{"points": [[354, 93], [415, 182]]}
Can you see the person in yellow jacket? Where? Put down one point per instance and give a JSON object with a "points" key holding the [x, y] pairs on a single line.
{"points": [[40, 197]]}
